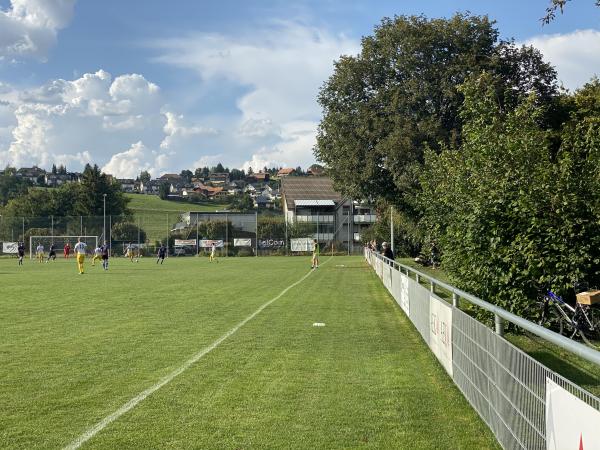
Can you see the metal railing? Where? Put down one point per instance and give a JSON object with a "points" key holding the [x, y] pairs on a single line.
{"points": [[503, 384]]}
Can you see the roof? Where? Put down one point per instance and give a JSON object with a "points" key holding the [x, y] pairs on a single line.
{"points": [[314, 202], [286, 171], [308, 188]]}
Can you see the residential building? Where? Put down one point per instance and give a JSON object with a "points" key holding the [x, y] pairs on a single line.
{"points": [[55, 180], [150, 187], [261, 201], [286, 172], [32, 174], [219, 178], [335, 218], [127, 184]]}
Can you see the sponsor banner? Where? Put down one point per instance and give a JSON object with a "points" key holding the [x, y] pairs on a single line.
{"points": [[387, 277], [208, 243], [570, 422], [183, 242], [10, 247], [242, 242], [440, 331], [301, 245], [271, 243], [404, 303]]}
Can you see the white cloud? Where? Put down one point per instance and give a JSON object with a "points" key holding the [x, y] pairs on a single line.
{"points": [[131, 162], [29, 27], [575, 55], [282, 67]]}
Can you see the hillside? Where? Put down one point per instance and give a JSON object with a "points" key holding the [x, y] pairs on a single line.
{"points": [[156, 216]]}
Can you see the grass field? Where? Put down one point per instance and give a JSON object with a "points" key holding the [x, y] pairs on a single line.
{"points": [[156, 216], [75, 349]]}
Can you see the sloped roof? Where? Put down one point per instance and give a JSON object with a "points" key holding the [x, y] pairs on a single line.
{"points": [[308, 188]]}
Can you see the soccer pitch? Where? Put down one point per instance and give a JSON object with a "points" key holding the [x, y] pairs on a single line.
{"points": [[203, 366]]}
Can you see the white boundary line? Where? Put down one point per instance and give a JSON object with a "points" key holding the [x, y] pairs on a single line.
{"points": [[91, 432]]}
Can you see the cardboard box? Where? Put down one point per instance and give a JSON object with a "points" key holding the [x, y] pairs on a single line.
{"points": [[588, 298]]}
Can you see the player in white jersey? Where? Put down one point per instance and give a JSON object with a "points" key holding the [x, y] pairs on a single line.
{"points": [[97, 255], [80, 250], [39, 252]]}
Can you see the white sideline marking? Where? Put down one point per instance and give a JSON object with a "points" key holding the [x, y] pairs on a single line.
{"points": [[318, 324], [91, 432]]}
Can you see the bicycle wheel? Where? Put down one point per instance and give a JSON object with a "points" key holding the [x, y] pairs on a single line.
{"points": [[588, 326]]}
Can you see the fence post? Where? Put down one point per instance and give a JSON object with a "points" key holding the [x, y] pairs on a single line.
{"points": [[226, 236], [432, 287], [417, 278], [455, 301], [256, 243], [499, 323]]}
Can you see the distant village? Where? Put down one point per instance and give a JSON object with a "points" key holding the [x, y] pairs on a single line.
{"points": [[218, 184]]}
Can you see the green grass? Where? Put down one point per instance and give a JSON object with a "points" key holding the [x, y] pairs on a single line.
{"points": [[76, 348], [156, 216]]}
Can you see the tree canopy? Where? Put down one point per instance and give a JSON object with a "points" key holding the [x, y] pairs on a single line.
{"points": [[400, 95]]}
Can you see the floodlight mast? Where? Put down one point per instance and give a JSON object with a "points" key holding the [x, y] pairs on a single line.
{"points": [[104, 220]]}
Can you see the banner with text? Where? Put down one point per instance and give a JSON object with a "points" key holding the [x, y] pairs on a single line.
{"points": [[185, 242], [242, 242], [9, 247], [301, 245], [440, 331], [570, 422], [208, 243]]}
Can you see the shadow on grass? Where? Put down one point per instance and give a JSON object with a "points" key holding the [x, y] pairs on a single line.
{"points": [[566, 369]]}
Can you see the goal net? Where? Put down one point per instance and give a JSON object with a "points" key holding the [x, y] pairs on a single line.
{"points": [[59, 243]]}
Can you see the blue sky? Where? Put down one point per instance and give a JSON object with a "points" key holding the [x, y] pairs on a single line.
{"points": [[162, 86]]}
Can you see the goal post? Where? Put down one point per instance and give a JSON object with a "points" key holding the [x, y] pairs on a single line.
{"points": [[59, 242]]}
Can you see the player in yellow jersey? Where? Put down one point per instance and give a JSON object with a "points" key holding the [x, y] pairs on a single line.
{"points": [[79, 250], [129, 252], [315, 255]]}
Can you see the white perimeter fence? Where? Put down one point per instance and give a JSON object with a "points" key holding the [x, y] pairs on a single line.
{"points": [[525, 404]]}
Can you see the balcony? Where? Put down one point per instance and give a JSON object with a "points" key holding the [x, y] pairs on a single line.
{"points": [[365, 218], [315, 219]]}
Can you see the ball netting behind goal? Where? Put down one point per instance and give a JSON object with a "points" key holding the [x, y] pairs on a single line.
{"points": [[59, 243]]}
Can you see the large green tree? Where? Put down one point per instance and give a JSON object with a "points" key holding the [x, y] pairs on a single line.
{"points": [[511, 213], [73, 199], [383, 107]]}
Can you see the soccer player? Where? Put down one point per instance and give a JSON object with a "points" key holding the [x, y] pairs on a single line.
{"points": [[79, 250], [315, 255], [162, 251], [39, 251], [21, 252], [97, 255], [67, 250], [51, 253], [212, 256], [129, 252], [105, 252]]}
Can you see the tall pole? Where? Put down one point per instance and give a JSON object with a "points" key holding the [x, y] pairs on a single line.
{"points": [[256, 243], [317, 227], [226, 236], [197, 237], [392, 227], [348, 225], [110, 234], [23, 225], [104, 220], [52, 234], [168, 232], [352, 225], [286, 238]]}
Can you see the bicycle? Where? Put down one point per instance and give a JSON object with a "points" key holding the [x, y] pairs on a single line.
{"points": [[571, 321]]}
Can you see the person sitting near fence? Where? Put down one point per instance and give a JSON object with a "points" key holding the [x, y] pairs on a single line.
{"points": [[387, 251]]}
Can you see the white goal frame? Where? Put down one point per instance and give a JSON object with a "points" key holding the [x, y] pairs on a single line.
{"points": [[72, 239]]}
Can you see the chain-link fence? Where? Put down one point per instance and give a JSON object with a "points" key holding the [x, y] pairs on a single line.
{"points": [[185, 234], [509, 389]]}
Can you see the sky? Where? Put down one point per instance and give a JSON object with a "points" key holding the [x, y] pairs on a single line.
{"points": [[164, 86]]}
